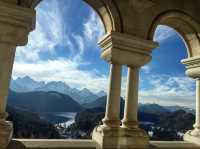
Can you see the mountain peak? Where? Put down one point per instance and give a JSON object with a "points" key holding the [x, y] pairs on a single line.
{"points": [[26, 83], [85, 90], [25, 78]]}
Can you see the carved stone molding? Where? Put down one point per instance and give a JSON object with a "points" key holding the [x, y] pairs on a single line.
{"points": [[15, 23], [126, 49], [141, 5], [192, 66]]}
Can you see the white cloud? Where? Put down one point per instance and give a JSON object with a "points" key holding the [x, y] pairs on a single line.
{"points": [[163, 32], [169, 90], [61, 70], [93, 28], [51, 30], [81, 46], [146, 69]]}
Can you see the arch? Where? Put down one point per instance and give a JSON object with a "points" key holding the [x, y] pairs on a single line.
{"points": [[188, 28], [107, 10]]}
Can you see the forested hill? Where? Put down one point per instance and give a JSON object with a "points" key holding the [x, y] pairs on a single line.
{"points": [[29, 125], [43, 102]]}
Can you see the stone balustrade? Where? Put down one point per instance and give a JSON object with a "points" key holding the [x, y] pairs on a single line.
{"points": [[89, 144]]}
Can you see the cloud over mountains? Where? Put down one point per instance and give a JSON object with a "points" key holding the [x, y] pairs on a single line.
{"points": [[63, 47]]}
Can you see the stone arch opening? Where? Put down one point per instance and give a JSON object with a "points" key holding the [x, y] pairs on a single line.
{"points": [[184, 24], [188, 29], [168, 85], [76, 39]]}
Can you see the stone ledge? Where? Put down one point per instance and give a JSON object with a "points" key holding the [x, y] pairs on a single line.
{"points": [[173, 145], [89, 144], [51, 144]]}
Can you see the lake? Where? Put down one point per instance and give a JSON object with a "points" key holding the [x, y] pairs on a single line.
{"points": [[63, 119], [70, 115]]}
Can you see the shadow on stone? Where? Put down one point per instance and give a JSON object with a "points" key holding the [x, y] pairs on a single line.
{"points": [[14, 144]]}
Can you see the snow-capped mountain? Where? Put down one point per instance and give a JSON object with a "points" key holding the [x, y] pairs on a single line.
{"points": [[27, 84], [82, 96], [54, 86], [176, 108], [85, 96]]}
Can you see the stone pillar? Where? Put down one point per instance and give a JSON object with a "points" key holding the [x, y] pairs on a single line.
{"points": [[131, 102], [196, 131], [15, 25], [122, 49], [7, 54], [193, 71], [112, 114]]}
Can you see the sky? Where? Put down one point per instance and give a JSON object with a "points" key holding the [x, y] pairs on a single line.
{"points": [[63, 47]]}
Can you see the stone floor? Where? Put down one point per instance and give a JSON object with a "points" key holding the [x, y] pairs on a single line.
{"points": [[89, 144]]}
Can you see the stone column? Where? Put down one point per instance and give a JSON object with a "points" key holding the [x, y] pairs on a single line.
{"points": [[122, 49], [131, 102], [7, 54], [15, 25], [112, 118], [196, 130], [193, 70]]}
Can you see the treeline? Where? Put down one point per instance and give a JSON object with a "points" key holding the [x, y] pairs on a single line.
{"points": [[29, 125]]}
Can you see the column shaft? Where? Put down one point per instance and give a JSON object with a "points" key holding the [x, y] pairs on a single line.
{"points": [[7, 54], [112, 117], [197, 123], [131, 102]]}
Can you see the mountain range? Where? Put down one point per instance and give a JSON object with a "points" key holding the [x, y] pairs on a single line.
{"points": [[43, 102], [26, 90], [27, 84], [147, 108]]}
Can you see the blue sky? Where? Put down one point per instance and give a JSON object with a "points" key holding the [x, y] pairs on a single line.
{"points": [[63, 47]]}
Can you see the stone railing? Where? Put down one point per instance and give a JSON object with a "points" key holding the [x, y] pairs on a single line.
{"points": [[89, 144]]}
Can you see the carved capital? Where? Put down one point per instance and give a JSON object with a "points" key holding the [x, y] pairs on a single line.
{"points": [[15, 23], [192, 66], [126, 49]]}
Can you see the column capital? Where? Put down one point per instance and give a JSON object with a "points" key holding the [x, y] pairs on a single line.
{"points": [[15, 24], [126, 49], [192, 67]]}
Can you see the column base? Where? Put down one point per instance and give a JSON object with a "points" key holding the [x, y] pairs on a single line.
{"points": [[6, 132], [192, 136], [130, 124], [111, 123], [120, 138]]}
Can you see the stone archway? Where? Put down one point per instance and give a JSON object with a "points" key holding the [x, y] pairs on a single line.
{"points": [[186, 26], [189, 29]]}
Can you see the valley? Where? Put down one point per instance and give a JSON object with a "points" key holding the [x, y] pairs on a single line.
{"points": [[40, 104]]}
